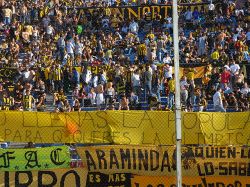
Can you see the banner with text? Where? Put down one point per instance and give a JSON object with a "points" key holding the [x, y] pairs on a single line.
{"points": [[125, 127], [96, 179], [137, 12], [160, 160], [34, 159], [58, 177]]}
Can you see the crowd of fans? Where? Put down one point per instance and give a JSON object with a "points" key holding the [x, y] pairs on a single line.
{"points": [[54, 50]]}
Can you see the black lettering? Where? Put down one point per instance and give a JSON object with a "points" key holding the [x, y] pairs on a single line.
{"points": [[209, 168], [143, 159], [6, 157], [134, 158], [242, 169], [6, 179], [47, 174], [113, 159], [222, 168], [125, 158], [231, 152], [31, 157], [90, 160], [223, 152], [19, 183], [210, 152], [77, 179], [199, 170], [232, 168], [55, 157], [165, 162], [154, 155], [244, 153], [101, 158]]}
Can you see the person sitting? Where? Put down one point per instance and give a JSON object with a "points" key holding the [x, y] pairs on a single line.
{"points": [[124, 103]]}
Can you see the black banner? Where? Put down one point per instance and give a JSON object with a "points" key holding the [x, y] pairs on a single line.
{"points": [[96, 179]]}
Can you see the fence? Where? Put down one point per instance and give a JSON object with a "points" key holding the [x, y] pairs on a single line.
{"points": [[123, 148]]}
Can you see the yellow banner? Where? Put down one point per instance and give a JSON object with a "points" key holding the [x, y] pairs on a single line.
{"points": [[160, 160], [125, 127], [138, 12], [146, 181], [57, 177]]}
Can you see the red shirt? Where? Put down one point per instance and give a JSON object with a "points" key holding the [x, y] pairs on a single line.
{"points": [[225, 77]]}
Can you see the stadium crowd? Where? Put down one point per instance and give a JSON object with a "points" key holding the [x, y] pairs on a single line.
{"points": [[104, 60]]}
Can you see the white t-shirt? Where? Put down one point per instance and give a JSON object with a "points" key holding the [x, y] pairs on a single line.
{"points": [[70, 48], [167, 60], [234, 68], [136, 80], [217, 99], [245, 91], [49, 30], [211, 6], [79, 48], [183, 85], [168, 72], [133, 27]]}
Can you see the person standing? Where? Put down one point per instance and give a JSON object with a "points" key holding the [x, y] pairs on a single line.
{"points": [[217, 100], [7, 13], [171, 88], [148, 81]]}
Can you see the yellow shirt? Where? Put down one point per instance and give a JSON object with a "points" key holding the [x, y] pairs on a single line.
{"points": [[142, 50], [29, 29], [215, 55], [190, 75], [171, 85], [46, 73]]}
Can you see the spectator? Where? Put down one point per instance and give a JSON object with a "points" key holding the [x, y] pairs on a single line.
{"points": [[217, 101]]}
